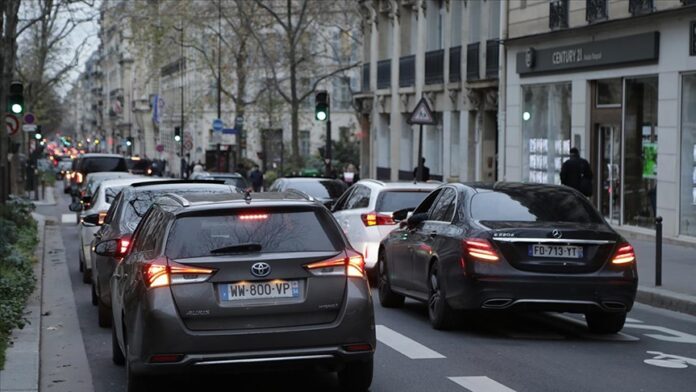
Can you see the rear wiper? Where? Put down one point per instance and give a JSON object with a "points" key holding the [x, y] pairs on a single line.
{"points": [[239, 248]]}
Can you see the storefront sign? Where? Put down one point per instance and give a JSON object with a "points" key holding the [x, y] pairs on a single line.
{"points": [[641, 48]]}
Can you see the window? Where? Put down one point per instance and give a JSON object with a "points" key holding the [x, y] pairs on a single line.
{"points": [[305, 144], [443, 208], [360, 198], [609, 93], [687, 212], [424, 207], [391, 201], [321, 189], [343, 200], [474, 21]]}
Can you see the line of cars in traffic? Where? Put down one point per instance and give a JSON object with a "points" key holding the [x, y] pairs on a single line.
{"points": [[201, 275]]}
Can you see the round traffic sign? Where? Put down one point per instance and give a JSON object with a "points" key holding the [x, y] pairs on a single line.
{"points": [[12, 124], [188, 144], [159, 148], [218, 125], [29, 118]]}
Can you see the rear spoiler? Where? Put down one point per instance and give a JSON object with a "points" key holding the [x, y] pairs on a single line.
{"points": [[169, 182]]}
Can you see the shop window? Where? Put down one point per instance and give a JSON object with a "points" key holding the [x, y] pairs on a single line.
{"points": [[609, 93], [304, 144], [687, 212], [545, 131]]}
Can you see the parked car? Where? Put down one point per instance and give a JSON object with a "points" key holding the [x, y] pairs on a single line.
{"points": [[121, 219], [137, 165], [218, 282], [91, 163], [364, 212], [235, 179], [509, 246], [325, 190]]}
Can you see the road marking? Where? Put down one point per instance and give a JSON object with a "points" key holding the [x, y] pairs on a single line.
{"points": [[580, 328], [669, 361], [68, 218], [671, 335], [405, 345], [632, 320], [480, 384]]}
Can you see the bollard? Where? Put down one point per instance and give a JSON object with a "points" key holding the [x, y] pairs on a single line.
{"points": [[658, 251]]}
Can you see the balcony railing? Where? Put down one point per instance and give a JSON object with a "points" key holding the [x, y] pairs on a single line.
{"points": [[435, 67], [596, 11], [366, 77], [492, 56], [640, 7], [407, 71], [472, 62], [383, 74], [558, 14], [455, 64]]}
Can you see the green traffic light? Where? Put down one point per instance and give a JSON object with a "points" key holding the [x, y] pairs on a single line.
{"points": [[321, 116], [17, 108], [38, 136], [177, 138]]}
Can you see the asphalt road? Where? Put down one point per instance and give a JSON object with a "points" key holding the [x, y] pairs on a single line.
{"points": [[491, 353]]}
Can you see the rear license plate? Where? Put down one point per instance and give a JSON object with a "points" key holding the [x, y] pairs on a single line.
{"points": [[260, 290], [557, 251]]}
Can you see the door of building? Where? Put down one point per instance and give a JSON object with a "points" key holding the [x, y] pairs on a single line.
{"points": [[608, 172]]}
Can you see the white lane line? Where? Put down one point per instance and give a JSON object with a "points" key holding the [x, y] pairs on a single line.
{"points": [[68, 218], [404, 344], [480, 384], [632, 320]]}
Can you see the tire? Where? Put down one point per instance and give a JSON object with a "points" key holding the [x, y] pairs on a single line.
{"points": [[104, 315], [605, 322], [81, 262], [116, 353], [86, 275], [95, 299], [356, 376], [441, 315], [387, 297]]}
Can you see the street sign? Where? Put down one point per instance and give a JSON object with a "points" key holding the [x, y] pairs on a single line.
{"points": [[230, 131], [29, 127], [187, 136], [422, 114], [160, 148], [218, 125], [188, 144], [12, 124], [239, 121], [29, 118]]}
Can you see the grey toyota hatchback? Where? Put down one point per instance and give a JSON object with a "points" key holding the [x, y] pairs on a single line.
{"points": [[227, 282]]}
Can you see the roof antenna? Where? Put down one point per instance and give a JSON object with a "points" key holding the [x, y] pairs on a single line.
{"points": [[247, 195]]}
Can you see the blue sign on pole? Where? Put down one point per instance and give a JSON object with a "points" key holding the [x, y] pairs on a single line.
{"points": [[230, 131], [218, 125]]}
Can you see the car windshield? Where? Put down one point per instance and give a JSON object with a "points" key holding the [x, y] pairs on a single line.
{"points": [[391, 201], [102, 164], [242, 232], [320, 189], [527, 205]]}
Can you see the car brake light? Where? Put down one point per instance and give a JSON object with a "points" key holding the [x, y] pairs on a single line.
{"points": [[350, 264], [376, 219], [480, 249], [166, 358], [164, 272], [123, 244], [624, 254], [253, 217], [78, 177], [351, 348]]}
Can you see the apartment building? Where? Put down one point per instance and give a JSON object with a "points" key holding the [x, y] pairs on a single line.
{"points": [[446, 51], [616, 79]]}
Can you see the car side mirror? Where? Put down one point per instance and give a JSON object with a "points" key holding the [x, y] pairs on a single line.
{"points": [[75, 206], [402, 214], [109, 248], [91, 220], [416, 219]]}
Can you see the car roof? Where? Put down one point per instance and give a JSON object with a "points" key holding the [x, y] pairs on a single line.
{"points": [[217, 174], [481, 187], [113, 174], [122, 181], [308, 179], [400, 185], [194, 202]]}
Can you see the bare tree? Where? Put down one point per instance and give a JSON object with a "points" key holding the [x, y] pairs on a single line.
{"points": [[295, 45]]}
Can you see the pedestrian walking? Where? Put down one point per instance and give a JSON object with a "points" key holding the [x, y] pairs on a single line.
{"points": [[256, 178], [350, 175], [576, 173], [198, 167], [426, 172]]}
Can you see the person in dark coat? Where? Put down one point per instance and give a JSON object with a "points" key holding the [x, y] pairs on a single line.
{"points": [[426, 172], [576, 173], [256, 178]]}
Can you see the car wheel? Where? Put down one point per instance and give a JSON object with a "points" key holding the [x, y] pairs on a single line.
{"points": [[104, 315], [605, 322], [116, 353], [356, 376], [441, 315], [387, 297], [86, 275], [81, 262], [95, 299]]}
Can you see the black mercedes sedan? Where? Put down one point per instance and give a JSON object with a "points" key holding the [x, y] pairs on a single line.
{"points": [[513, 246]]}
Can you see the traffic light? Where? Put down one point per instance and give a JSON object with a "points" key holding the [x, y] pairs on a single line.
{"points": [[177, 134], [38, 135], [321, 109], [129, 141], [15, 99]]}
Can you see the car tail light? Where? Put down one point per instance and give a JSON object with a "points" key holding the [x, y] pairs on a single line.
{"points": [[166, 358], [480, 249], [377, 219], [102, 217], [123, 244], [253, 217], [350, 264], [78, 177], [624, 254], [163, 272], [351, 348]]}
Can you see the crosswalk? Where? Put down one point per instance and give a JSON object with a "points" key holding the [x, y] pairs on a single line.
{"points": [[480, 384]]}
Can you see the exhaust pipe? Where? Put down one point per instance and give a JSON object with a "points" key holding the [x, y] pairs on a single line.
{"points": [[497, 303], [613, 305]]}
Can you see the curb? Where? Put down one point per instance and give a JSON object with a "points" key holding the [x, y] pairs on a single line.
{"points": [[666, 299], [50, 200], [22, 364]]}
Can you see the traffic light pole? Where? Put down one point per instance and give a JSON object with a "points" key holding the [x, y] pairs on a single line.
{"points": [[328, 148], [419, 174]]}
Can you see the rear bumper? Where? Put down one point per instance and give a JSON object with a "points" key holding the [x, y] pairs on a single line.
{"points": [[156, 328]]}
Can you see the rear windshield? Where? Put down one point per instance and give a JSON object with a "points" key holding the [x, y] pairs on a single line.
{"points": [[139, 164], [137, 206], [322, 189], [396, 200], [533, 206], [269, 232], [111, 193], [102, 164]]}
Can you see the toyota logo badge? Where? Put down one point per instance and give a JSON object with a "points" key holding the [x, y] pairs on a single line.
{"points": [[260, 269], [556, 234]]}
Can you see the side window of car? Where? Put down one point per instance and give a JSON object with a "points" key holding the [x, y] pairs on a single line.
{"points": [[112, 209], [443, 207], [341, 203], [359, 198], [425, 205], [141, 233]]}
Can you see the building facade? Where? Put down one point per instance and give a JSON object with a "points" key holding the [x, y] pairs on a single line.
{"points": [[617, 80], [446, 51]]}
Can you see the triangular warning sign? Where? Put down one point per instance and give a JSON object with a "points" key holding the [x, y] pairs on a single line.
{"points": [[422, 114]]}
